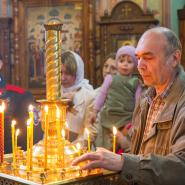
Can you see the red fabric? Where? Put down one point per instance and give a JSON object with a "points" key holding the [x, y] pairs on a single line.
{"points": [[14, 88], [2, 91], [129, 125], [120, 151]]}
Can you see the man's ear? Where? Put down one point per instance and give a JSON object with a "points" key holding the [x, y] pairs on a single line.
{"points": [[176, 58]]}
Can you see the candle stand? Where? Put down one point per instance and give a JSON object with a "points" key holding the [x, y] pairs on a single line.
{"points": [[49, 161], [59, 170]]}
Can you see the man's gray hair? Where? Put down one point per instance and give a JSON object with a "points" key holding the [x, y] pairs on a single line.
{"points": [[173, 42]]}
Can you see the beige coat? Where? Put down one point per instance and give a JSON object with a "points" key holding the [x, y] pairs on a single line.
{"points": [[83, 103]]}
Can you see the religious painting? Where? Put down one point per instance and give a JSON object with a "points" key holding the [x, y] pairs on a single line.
{"points": [[70, 14], [123, 40], [29, 37]]}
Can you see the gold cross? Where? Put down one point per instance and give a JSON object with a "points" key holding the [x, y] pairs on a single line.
{"points": [[126, 9]]}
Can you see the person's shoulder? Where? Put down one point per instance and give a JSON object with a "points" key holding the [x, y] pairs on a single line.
{"points": [[85, 90], [18, 92], [86, 93], [97, 91]]}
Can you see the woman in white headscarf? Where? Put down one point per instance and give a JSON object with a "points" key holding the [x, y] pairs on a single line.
{"points": [[78, 89]]}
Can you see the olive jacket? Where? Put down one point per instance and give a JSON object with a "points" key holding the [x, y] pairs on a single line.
{"points": [[161, 159]]}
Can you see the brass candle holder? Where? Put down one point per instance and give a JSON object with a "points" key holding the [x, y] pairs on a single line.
{"points": [[51, 157]]}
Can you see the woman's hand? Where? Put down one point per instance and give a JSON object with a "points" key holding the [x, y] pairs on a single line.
{"points": [[92, 117], [102, 158]]}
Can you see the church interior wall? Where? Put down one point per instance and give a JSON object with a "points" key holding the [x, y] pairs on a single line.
{"points": [[165, 11]]}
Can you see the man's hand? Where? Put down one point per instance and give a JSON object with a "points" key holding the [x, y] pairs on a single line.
{"points": [[102, 158]]}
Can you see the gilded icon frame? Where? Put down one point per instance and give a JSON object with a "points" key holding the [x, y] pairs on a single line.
{"points": [[29, 38]]}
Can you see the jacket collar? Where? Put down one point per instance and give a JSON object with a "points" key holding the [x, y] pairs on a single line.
{"points": [[171, 100], [167, 113], [175, 92]]}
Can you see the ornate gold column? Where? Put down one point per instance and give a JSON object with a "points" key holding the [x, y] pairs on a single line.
{"points": [[53, 64]]}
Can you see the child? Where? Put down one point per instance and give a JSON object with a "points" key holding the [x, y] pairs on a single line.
{"points": [[116, 101]]}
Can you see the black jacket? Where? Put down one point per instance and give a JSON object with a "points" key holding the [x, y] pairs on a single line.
{"points": [[17, 101]]}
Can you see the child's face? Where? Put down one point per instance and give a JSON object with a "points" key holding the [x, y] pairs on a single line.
{"points": [[125, 65]]}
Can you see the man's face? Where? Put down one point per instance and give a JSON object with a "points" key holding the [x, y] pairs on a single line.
{"points": [[153, 64], [67, 79], [109, 67]]}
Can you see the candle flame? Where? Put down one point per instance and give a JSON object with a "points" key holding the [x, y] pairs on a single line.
{"points": [[78, 146], [3, 105], [46, 108], [30, 108], [28, 122], [17, 132], [58, 113], [63, 133], [114, 131], [67, 126], [13, 123], [1, 108], [87, 131]]}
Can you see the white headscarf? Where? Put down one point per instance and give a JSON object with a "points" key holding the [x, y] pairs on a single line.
{"points": [[80, 80]]}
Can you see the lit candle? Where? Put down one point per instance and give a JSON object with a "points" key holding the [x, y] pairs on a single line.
{"points": [[28, 146], [46, 138], [16, 136], [13, 141], [58, 133], [78, 146], [114, 139], [67, 130], [2, 107], [31, 116], [88, 141], [63, 147]]}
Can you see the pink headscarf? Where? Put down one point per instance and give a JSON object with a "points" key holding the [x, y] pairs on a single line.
{"points": [[127, 50]]}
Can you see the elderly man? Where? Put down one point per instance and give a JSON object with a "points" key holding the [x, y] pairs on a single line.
{"points": [[158, 140]]}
